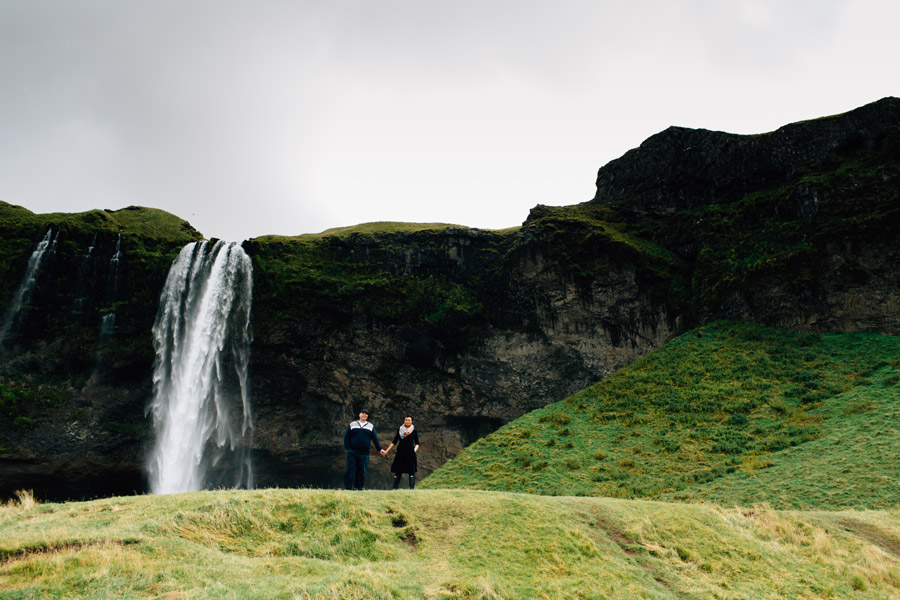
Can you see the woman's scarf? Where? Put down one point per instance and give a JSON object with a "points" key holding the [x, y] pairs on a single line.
{"points": [[405, 432]]}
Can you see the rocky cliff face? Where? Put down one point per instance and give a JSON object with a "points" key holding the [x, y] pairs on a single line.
{"points": [[795, 228], [679, 169], [74, 379], [464, 329], [488, 327]]}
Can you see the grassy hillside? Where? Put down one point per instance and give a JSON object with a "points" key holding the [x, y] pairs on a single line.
{"points": [[729, 413], [439, 544]]}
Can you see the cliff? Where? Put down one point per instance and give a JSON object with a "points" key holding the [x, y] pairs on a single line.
{"points": [[74, 379], [463, 328], [794, 228]]}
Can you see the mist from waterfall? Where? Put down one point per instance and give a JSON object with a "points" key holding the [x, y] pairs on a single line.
{"points": [[201, 405], [26, 288]]}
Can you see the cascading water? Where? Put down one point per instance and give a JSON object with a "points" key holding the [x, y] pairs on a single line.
{"points": [[26, 288], [84, 273], [201, 406], [108, 321], [114, 271]]}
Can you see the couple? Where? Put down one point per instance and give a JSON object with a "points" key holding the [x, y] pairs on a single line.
{"points": [[357, 440]]}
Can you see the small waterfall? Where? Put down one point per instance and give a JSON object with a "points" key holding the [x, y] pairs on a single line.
{"points": [[108, 321], [26, 288], [107, 325], [114, 271], [201, 406], [84, 272]]}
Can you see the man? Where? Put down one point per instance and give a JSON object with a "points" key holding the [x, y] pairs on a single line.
{"points": [[357, 440]]}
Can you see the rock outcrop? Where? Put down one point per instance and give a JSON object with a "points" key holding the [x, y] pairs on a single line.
{"points": [[795, 228]]}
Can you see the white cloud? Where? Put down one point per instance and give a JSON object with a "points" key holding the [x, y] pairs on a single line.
{"points": [[286, 117]]}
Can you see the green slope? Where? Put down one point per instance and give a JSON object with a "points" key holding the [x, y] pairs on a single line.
{"points": [[286, 544], [730, 412]]}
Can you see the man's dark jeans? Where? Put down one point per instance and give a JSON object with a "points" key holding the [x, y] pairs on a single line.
{"points": [[355, 475]]}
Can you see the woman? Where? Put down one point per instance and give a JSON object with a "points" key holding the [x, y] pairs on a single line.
{"points": [[407, 442]]}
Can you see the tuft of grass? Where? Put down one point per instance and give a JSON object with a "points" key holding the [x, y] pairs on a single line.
{"points": [[24, 499], [438, 544], [730, 412]]}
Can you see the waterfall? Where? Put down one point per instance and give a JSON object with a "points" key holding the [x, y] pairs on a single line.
{"points": [[201, 405], [26, 288], [114, 271], [84, 272], [107, 325], [108, 321]]}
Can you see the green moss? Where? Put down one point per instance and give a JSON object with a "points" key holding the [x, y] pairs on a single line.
{"points": [[23, 404]]}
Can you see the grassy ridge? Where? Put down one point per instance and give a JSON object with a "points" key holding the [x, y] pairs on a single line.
{"points": [[439, 544], [135, 220], [373, 228], [730, 412]]}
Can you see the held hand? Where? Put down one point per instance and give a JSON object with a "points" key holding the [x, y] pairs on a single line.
{"points": [[384, 453]]}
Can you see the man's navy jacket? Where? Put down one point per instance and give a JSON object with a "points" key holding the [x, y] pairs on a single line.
{"points": [[359, 437]]}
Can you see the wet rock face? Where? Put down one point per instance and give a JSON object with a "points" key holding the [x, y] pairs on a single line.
{"points": [[465, 329]]}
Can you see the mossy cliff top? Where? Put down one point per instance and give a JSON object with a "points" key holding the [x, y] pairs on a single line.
{"points": [[134, 220], [365, 229], [448, 278]]}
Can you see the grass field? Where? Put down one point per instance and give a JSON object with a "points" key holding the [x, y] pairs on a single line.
{"points": [[439, 544], [736, 462]]}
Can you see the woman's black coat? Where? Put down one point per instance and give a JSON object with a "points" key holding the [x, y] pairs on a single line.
{"points": [[405, 460]]}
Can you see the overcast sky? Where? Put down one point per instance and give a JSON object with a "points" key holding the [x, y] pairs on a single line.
{"points": [[291, 116]]}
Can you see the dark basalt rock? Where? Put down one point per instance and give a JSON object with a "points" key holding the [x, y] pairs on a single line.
{"points": [[681, 168]]}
